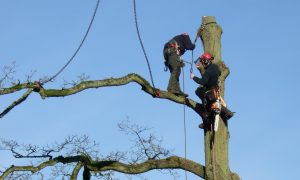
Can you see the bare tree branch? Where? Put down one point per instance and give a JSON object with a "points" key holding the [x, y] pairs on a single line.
{"points": [[81, 78], [7, 74], [79, 150], [72, 145], [17, 102], [76, 170], [30, 76], [114, 82], [145, 148], [173, 162], [44, 93]]}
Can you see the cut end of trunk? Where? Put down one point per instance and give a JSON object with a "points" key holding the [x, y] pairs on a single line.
{"points": [[208, 19]]}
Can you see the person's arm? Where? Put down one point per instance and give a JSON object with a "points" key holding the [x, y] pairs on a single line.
{"points": [[203, 81]]}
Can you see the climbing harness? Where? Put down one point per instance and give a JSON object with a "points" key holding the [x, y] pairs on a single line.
{"points": [[213, 97], [143, 48], [216, 108], [78, 48], [170, 47]]}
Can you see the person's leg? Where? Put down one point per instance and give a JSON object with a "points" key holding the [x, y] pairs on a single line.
{"points": [[226, 114], [174, 66], [200, 92]]}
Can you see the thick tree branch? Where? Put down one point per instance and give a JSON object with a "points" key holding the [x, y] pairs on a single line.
{"points": [[173, 162], [32, 169], [115, 82], [44, 93], [17, 102], [18, 87]]}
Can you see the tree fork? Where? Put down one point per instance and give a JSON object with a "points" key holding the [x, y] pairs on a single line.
{"points": [[216, 144]]}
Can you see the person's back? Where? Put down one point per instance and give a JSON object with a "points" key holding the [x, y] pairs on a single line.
{"points": [[184, 43]]}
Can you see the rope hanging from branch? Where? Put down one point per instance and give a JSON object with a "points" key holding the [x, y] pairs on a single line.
{"points": [[142, 45], [184, 123]]}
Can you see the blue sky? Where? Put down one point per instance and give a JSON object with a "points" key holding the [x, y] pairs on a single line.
{"points": [[259, 44]]}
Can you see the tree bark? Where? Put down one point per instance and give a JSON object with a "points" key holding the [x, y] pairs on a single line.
{"points": [[173, 162], [216, 143]]}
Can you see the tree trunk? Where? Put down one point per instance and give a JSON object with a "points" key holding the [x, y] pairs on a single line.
{"points": [[216, 143]]}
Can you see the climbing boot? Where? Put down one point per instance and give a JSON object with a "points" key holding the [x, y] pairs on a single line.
{"points": [[226, 114], [204, 113], [205, 117], [201, 126]]}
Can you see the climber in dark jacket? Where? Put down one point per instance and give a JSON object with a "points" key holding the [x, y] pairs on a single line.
{"points": [[208, 91], [173, 49]]}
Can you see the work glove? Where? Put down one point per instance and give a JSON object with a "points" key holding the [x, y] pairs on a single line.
{"points": [[192, 75]]}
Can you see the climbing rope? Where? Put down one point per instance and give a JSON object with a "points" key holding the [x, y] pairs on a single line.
{"points": [[78, 48], [184, 123], [184, 111], [141, 43], [192, 62]]}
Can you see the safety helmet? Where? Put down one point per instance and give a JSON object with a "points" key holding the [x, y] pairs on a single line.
{"points": [[206, 58]]}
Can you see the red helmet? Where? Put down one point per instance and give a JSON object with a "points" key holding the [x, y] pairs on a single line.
{"points": [[206, 56]]}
